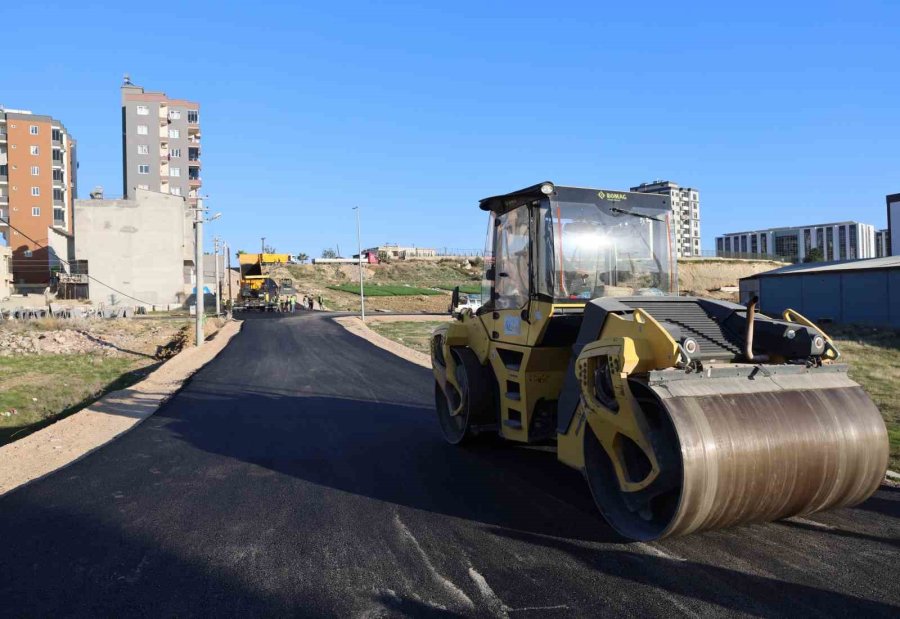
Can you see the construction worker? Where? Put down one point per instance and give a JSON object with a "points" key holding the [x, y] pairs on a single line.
{"points": [[266, 308], [293, 302]]}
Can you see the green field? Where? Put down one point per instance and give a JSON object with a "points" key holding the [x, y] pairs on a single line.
{"points": [[38, 389], [379, 290], [873, 356], [411, 334], [468, 288]]}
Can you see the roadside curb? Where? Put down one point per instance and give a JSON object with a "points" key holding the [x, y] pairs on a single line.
{"points": [[893, 476], [357, 327], [74, 437]]}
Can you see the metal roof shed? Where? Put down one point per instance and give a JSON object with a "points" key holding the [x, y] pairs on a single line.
{"points": [[848, 291]]}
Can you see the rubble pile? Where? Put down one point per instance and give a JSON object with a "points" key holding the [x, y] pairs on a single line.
{"points": [[62, 342]]}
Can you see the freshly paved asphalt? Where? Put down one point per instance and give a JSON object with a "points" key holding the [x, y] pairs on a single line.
{"points": [[302, 472]]}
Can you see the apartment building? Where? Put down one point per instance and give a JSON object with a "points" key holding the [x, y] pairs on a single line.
{"points": [[160, 144], [685, 203], [38, 172], [846, 240]]}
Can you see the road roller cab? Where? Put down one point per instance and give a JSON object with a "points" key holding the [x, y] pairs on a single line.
{"points": [[683, 413]]}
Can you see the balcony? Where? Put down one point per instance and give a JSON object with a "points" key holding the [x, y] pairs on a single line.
{"points": [[4, 216], [195, 181]]}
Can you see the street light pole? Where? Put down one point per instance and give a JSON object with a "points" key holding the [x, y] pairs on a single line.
{"points": [[362, 296], [198, 272], [262, 247], [218, 288], [228, 275]]}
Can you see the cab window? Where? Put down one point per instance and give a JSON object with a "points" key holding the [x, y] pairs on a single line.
{"points": [[511, 259]]}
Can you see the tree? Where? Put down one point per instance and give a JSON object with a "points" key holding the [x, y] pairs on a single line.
{"points": [[268, 249], [814, 255], [301, 257], [239, 252], [329, 253]]}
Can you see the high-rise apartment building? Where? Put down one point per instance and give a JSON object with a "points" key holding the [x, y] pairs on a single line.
{"points": [[38, 170], [846, 240], [685, 203], [160, 143]]}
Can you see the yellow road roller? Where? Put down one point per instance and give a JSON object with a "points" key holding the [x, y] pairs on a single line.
{"points": [[683, 413]]}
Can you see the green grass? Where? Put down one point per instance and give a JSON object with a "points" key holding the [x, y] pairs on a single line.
{"points": [[413, 334], [874, 359], [379, 290], [44, 388], [468, 288]]}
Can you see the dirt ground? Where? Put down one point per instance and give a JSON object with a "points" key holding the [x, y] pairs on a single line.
{"points": [[705, 277]]}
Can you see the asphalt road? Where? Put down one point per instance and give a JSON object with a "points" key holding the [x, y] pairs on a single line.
{"points": [[302, 472]]}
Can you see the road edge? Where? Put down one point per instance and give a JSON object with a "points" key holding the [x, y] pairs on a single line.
{"points": [[70, 439], [357, 327]]}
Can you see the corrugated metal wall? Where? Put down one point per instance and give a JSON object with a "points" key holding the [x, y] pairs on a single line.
{"points": [[857, 297]]}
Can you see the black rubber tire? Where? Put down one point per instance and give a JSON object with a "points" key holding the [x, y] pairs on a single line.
{"points": [[477, 399]]}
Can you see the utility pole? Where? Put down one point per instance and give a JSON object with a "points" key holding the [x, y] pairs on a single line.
{"points": [[198, 271], [230, 296], [362, 296], [218, 287], [262, 248]]}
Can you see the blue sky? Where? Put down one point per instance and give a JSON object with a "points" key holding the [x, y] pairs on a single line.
{"points": [[779, 113]]}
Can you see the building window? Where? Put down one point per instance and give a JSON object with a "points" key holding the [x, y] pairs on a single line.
{"points": [[59, 216], [807, 241], [728, 244], [787, 247], [744, 244], [175, 114], [35, 211], [175, 191], [174, 171], [829, 243], [33, 129], [143, 169], [35, 150], [56, 135], [143, 187], [764, 242], [853, 242], [143, 149], [58, 194], [143, 110], [35, 170], [35, 191], [58, 175], [842, 243], [174, 133], [142, 129], [193, 116], [175, 153]]}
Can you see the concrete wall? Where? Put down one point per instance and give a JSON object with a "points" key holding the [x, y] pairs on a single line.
{"points": [[134, 246], [866, 297]]}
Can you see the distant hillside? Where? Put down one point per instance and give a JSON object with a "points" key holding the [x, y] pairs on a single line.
{"points": [[701, 277]]}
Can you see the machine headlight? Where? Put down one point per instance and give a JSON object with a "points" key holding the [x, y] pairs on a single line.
{"points": [[547, 189]]}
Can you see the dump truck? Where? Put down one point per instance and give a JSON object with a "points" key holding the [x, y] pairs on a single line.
{"points": [[683, 413], [256, 280]]}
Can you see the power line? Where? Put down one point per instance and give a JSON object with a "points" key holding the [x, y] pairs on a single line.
{"points": [[124, 294]]}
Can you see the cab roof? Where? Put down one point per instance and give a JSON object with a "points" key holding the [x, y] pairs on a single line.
{"points": [[608, 197]]}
